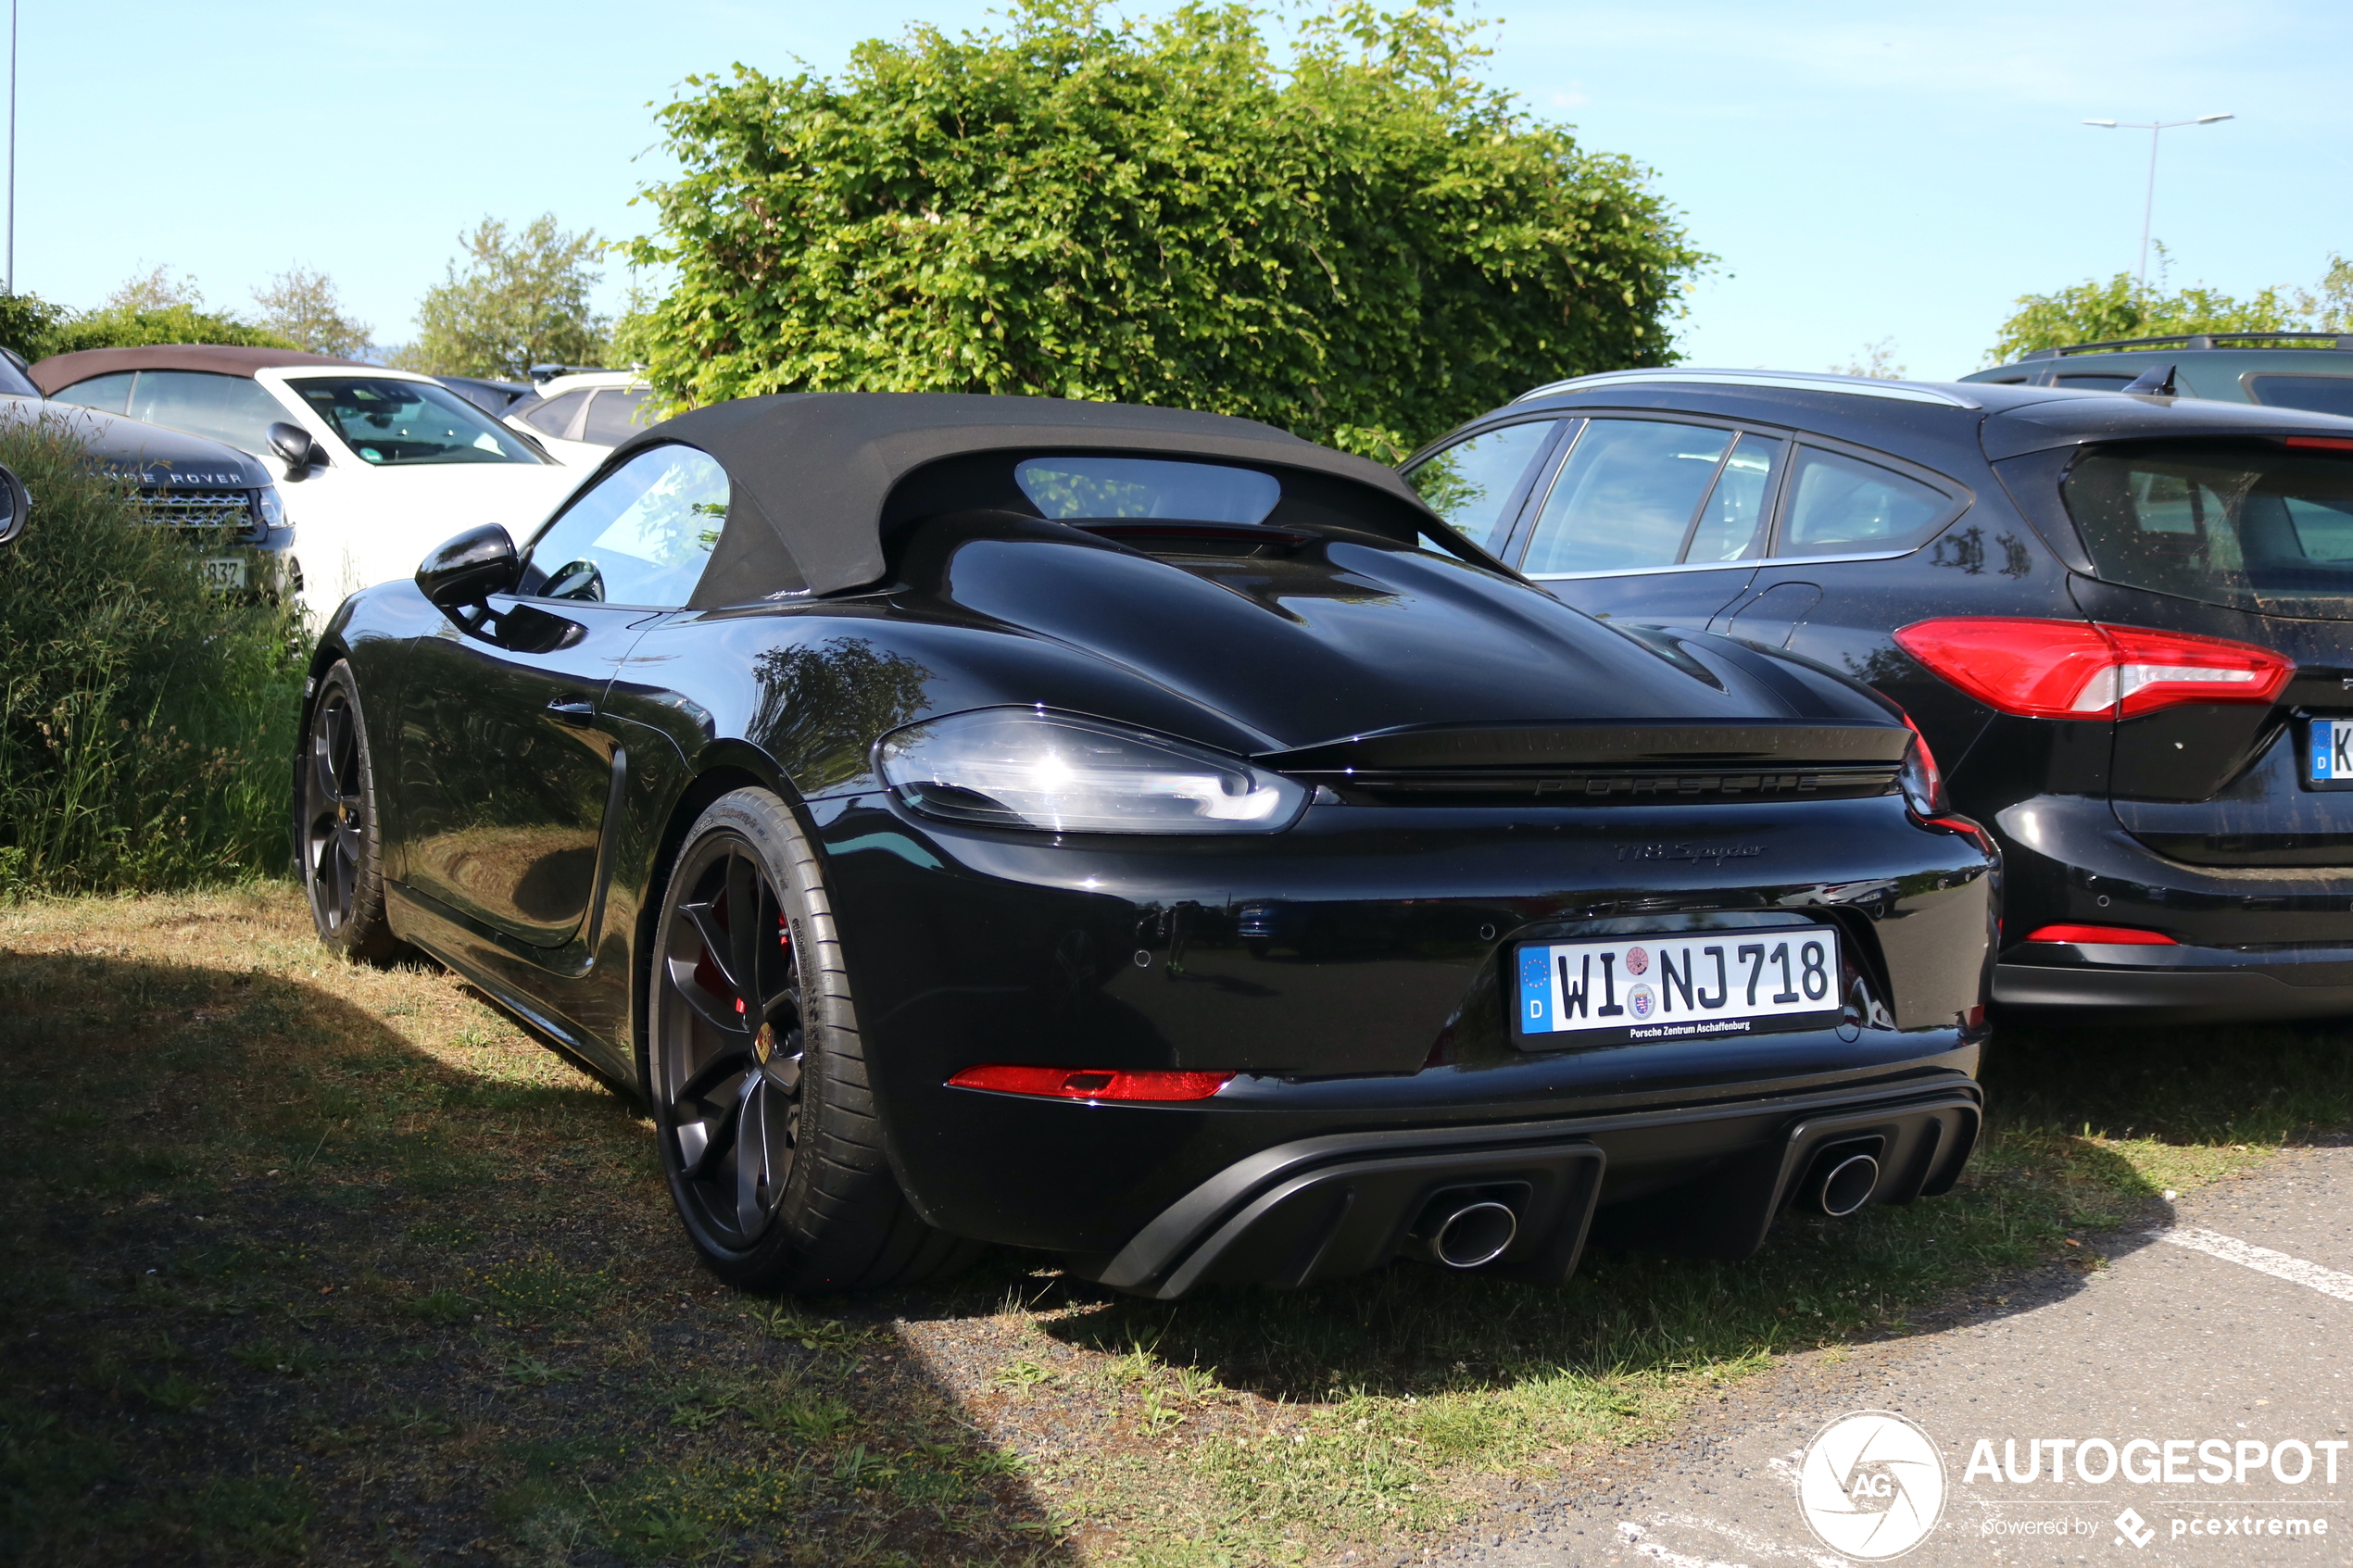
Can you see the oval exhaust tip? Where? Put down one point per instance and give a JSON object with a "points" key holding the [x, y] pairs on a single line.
{"points": [[1474, 1234], [1847, 1185]]}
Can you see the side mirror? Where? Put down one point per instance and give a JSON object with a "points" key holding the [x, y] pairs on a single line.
{"points": [[467, 570], [15, 504], [293, 444]]}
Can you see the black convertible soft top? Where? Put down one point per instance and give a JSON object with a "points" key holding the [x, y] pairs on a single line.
{"points": [[818, 468]]}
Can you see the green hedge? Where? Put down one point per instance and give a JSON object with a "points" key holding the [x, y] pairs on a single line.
{"points": [[37, 328], [146, 724], [1353, 237]]}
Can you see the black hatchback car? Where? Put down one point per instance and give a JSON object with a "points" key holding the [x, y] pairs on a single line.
{"points": [[2124, 624], [1148, 837]]}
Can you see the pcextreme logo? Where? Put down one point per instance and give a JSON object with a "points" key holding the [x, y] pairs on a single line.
{"points": [[1871, 1486]]}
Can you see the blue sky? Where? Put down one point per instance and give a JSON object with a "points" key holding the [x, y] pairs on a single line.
{"points": [[1866, 172]]}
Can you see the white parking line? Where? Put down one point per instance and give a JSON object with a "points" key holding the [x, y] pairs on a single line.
{"points": [[1637, 1537], [2262, 1259]]}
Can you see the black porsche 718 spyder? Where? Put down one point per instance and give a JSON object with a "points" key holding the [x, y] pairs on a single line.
{"points": [[1148, 837]]}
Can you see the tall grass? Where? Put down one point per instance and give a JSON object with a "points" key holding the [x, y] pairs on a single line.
{"points": [[146, 723]]}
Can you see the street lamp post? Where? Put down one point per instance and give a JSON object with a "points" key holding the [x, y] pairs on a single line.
{"points": [[2148, 205], [9, 284]]}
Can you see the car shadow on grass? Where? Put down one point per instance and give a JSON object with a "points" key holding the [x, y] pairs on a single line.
{"points": [[297, 1277]]}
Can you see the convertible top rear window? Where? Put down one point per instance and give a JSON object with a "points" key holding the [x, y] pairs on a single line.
{"points": [[2254, 525], [1089, 487]]}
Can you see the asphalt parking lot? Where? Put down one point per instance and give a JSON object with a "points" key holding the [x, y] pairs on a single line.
{"points": [[2220, 1320]]}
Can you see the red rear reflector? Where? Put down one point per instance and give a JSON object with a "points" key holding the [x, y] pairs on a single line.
{"points": [[2076, 669], [1092, 1083], [2115, 936], [2323, 443]]}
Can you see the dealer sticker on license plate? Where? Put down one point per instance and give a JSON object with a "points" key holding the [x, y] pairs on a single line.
{"points": [[1677, 984], [2328, 758], [223, 571]]}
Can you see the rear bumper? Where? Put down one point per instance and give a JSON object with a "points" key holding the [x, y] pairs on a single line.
{"points": [[2184, 984], [2254, 942], [1350, 973], [1322, 1207]]}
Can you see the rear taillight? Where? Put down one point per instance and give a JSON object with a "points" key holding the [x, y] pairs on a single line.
{"points": [[1923, 786], [1092, 1083], [2320, 443], [2079, 670], [2112, 935]]}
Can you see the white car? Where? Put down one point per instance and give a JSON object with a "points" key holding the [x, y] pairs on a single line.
{"points": [[583, 416], [376, 466]]}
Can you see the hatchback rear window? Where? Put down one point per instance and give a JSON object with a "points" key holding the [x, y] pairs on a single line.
{"points": [[2254, 526]]}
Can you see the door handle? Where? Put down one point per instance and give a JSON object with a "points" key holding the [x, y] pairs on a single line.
{"points": [[576, 711]]}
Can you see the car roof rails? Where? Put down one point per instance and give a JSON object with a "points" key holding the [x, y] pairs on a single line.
{"points": [[2194, 341], [1778, 380]]}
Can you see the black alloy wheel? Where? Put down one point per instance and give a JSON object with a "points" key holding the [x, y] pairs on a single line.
{"points": [[335, 836], [733, 1042], [756, 1071]]}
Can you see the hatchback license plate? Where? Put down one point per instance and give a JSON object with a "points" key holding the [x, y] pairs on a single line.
{"points": [[223, 571], [2328, 754], [1674, 984]]}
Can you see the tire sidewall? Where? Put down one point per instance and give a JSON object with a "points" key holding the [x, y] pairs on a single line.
{"points": [[762, 821], [364, 931]]}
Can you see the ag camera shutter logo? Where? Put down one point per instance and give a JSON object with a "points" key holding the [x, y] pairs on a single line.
{"points": [[1871, 1486]]}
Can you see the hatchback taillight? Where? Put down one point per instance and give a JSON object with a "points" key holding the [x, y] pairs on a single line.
{"points": [[2103, 935], [2082, 669]]}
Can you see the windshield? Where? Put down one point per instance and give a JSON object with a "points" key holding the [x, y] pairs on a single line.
{"points": [[2263, 526], [391, 423], [1146, 487], [14, 383]]}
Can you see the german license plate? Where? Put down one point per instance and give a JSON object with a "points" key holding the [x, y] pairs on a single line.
{"points": [[2328, 753], [223, 571], [1671, 986]]}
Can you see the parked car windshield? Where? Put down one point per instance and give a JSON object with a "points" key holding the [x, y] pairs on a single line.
{"points": [[391, 423], [2255, 526]]}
